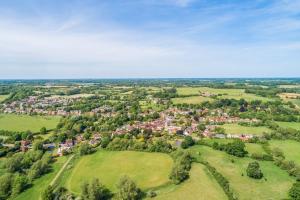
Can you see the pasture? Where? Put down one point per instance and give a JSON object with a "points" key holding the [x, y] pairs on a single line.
{"points": [[290, 149], [191, 100], [254, 148], [40, 184], [221, 93], [12, 122], [275, 184], [294, 125], [200, 186], [3, 97], [148, 170], [236, 129]]}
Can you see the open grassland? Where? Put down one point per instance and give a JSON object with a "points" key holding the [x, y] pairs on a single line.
{"points": [[291, 97], [39, 185], [146, 169], [290, 149], [191, 100], [222, 93], [200, 186], [289, 86], [254, 148], [294, 125], [236, 129], [275, 184], [3, 97], [12, 122]]}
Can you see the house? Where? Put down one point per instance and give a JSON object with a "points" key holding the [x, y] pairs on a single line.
{"points": [[25, 145]]}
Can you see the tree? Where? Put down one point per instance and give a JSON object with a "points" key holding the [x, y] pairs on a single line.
{"points": [[5, 185], [19, 184], [95, 191], [128, 189], [187, 142], [43, 130], [85, 149], [201, 127], [38, 145], [294, 192], [236, 148], [48, 194], [253, 170]]}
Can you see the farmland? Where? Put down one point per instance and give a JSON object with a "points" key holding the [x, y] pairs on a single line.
{"points": [[200, 180], [290, 149], [275, 185], [294, 125], [239, 129], [191, 100], [12, 122], [3, 97], [147, 169]]}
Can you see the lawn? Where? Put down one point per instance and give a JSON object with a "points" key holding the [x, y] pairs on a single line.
{"points": [[200, 186], [12, 122], [225, 93], [146, 169], [238, 129], [290, 149], [275, 186], [39, 185], [191, 100], [294, 125]]}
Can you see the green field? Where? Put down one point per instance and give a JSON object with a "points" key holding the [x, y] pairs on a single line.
{"points": [[225, 93], [294, 125], [290, 149], [191, 100], [147, 169], [3, 97], [39, 185], [254, 148], [275, 186], [200, 186], [238, 129], [13, 122]]}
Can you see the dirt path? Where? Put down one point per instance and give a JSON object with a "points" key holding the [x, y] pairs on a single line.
{"points": [[61, 170]]}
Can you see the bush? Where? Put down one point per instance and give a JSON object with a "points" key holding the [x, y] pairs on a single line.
{"points": [[294, 192], [253, 170]]}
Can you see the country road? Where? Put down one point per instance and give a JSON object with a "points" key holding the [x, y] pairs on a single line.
{"points": [[61, 170]]}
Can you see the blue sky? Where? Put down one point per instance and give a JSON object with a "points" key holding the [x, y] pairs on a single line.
{"points": [[149, 38]]}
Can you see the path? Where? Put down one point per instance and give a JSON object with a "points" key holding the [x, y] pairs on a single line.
{"points": [[61, 170]]}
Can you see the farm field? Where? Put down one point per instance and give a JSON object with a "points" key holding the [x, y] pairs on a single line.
{"points": [[39, 185], [12, 122], [191, 100], [274, 186], [294, 125], [290, 149], [148, 170], [224, 93], [201, 181], [238, 129]]}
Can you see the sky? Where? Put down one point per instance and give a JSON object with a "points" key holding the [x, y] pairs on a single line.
{"points": [[149, 38]]}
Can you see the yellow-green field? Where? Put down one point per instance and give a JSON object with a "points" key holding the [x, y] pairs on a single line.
{"points": [[236, 129], [200, 186], [294, 125], [254, 148], [275, 184], [3, 97], [148, 170], [225, 93], [290, 149], [191, 100], [12, 122]]}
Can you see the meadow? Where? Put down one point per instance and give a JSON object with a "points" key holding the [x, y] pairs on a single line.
{"points": [[39, 185], [148, 170], [3, 97], [238, 129], [200, 180], [290, 149], [274, 185], [12, 122], [222, 93], [294, 125], [191, 100]]}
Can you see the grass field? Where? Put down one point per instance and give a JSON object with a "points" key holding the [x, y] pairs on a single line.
{"points": [[294, 125], [3, 97], [238, 129], [254, 148], [191, 100], [225, 93], [147, 169], [13, 122], [275, 186], [39, 185], [290, 149], [200, 186]]}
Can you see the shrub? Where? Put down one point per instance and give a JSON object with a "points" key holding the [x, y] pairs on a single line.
{"points": [[253, 170]]}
